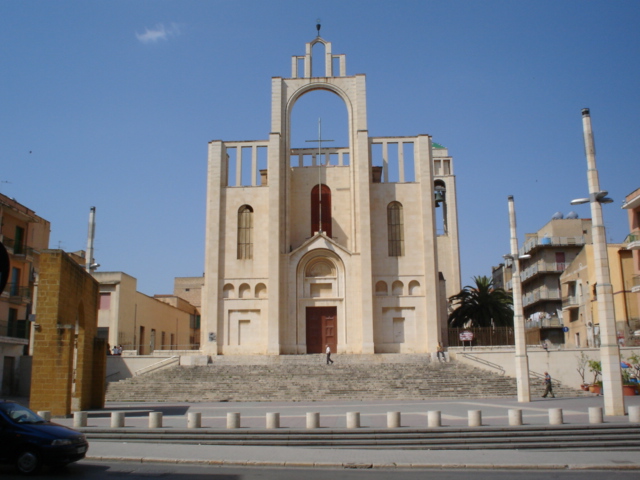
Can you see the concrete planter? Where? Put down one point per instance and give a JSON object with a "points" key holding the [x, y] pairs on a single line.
{"points": [[595, 389], [629, 390]]}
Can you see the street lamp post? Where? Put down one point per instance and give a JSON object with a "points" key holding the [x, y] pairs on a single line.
{"points": [[522, 360], [609, 350]]}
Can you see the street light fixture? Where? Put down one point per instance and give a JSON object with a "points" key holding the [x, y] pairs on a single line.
{"points": [[609, 350], [522, 360]]}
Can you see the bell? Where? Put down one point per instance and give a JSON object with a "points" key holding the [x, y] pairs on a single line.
{"points": [[438, 199]]}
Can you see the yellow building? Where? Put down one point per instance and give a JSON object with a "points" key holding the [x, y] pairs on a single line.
{"points": [[579, 299]]}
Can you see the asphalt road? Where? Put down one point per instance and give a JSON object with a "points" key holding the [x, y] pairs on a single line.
{"points": [[92, 470]]}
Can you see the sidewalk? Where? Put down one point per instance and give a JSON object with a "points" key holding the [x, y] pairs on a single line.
{"points": [[373, 415]]}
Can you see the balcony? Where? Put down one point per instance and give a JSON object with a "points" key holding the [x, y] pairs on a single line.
{"points": [[534, 243], [549, 322], [570, 302], [17, 293], [633, 241], [20, 249], [542, 267], [14, 329], [540, 295]]}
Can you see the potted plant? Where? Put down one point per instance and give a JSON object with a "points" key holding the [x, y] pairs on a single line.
{"points": [[583, 361], [595, 367], [629, 375]]}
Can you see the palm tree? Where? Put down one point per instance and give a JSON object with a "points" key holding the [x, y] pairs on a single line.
{"points": [[481, 306]]}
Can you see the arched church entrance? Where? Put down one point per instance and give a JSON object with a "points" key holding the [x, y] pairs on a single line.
{"points": [[321, 300]]}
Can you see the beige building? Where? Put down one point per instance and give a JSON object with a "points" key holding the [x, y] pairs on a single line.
{"points": [[24, 235], [142, 324], [348, 247], [551, 249], [579, 299]]}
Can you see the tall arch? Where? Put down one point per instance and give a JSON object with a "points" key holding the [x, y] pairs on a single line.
{"points": [[245, 232], [321, 210], [395, 229]]}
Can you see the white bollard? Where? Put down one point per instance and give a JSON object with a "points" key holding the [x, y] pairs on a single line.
{"points": [[634, 414], [313, 420], [393, 419], [434, 418], [555, 416], [117, 419], [79, 419], [515, 416], [46, 414], [194, 420], [155, 419], [273, 420], [595, 415], [353, 419], [233, 420], [475, 418]]}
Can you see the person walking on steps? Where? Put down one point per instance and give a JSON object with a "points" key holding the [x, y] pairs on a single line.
{"points": [[548, 389], [329, 355]]}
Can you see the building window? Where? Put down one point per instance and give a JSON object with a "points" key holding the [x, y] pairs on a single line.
{"points": [[395, 229], [105, 301], [321, 207], [245, 232]]}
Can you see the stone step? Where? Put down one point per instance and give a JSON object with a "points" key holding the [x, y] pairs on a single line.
{"points": [[299, 379]]}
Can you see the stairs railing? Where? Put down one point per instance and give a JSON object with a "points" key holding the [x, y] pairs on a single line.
{"points": [[155, 366], [482, 361]]}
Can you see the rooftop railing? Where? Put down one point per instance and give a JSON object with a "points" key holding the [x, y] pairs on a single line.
{"points": [[535, 242]]}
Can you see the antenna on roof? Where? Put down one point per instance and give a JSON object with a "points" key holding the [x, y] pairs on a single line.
{"points": [[318, 26]]}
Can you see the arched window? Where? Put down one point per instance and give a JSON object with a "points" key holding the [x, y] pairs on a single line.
{"points": [[321, 207], [395, 229], [245, 232]]}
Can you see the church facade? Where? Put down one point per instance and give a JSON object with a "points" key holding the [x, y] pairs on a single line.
{"points": [[354, 246]]}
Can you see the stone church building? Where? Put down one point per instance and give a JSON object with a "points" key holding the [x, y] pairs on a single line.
{"points": [[324, 246]]}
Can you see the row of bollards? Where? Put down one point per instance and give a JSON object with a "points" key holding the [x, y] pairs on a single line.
{"points": [[434, 418]]}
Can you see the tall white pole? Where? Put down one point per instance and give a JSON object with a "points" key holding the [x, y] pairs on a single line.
{"points": [[609, 351], [522, 360], [90, 239]]}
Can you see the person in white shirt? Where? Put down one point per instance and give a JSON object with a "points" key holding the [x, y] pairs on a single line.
{"points": [[329, 355]]}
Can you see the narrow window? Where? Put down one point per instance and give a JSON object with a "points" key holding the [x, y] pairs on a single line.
{"points": [[321, 210], [245, 232], [395, 229]]}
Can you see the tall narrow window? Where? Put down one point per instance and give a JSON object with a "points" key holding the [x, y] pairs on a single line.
{"points": [[245, 232], [395, 228], [321, 207]]}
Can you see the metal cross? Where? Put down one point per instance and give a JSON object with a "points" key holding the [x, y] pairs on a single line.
{"points": [[319, 140]]}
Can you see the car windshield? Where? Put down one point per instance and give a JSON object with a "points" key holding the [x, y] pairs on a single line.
{"points": [[20, 414]]}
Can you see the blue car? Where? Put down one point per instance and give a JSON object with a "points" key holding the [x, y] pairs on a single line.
{"points": [[29, 441]]}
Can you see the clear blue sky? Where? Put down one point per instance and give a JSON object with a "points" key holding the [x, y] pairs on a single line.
{"points": [[112, 103]]}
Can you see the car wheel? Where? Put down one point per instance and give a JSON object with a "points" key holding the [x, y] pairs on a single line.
{"points": [[28, 462]]}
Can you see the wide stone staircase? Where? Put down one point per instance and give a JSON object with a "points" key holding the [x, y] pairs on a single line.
{"points": [[308, 378]]}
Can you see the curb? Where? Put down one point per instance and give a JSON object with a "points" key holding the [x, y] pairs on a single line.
{"points": [[363, 466]]}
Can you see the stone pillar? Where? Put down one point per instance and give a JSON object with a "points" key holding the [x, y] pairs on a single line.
{"points": [[595, 415], [117, 419], [475, 418], [233, 420], [515, 417], [313, 420], [79, 419], [194, 420], [555, 416], [155, 420], [273, 420], [393, 420], [434, 418], [634, 414], [353, 419]]}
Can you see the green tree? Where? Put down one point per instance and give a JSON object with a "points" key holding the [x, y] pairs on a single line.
{"points": [[481, 306]]}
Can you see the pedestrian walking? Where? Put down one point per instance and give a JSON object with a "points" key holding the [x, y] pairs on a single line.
{"points": [[329, 361], [548, 388]]}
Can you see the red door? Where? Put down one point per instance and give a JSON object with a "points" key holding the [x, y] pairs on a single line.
{"points": [[322, 329]]}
